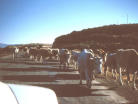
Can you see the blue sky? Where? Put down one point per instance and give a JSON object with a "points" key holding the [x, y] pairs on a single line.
{"points": [[41, 21]]}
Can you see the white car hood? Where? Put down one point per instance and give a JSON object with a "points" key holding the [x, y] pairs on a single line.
{"points": [[25, 94], [6, 95]]}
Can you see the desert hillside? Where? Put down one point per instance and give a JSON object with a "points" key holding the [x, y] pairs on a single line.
{"points": [[106, 37]]}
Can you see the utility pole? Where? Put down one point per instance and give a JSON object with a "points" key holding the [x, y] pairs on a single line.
{"points": [[117, 22], [127, 18]]}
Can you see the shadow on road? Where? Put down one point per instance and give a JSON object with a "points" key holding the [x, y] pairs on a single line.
{"points": [[70, 90], [41, 78], [30, 78], [37, 69], [29, 61]]}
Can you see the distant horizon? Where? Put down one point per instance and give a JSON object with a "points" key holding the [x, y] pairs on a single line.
{"points": [[24, 43]]}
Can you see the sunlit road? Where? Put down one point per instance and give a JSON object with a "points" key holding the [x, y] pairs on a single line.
{"points": [[65, 83]]}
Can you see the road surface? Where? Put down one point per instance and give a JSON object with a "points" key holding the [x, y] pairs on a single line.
{"points": [[65, 83]]}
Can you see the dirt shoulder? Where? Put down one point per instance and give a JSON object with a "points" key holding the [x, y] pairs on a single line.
{"points": [[125, 91]]}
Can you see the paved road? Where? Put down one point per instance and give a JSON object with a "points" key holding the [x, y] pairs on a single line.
{"points": [[64, 82]]}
